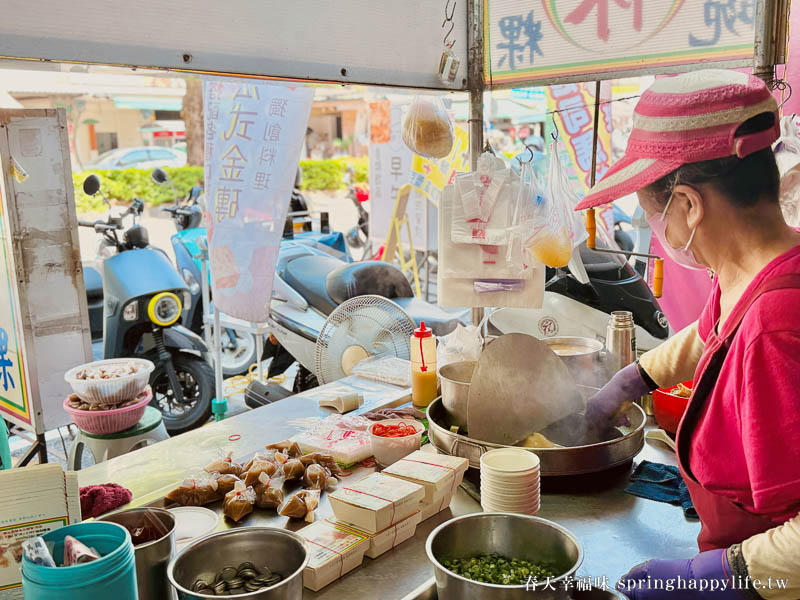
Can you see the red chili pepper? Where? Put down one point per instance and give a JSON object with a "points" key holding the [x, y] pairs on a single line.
{"points": [[394, 431]]}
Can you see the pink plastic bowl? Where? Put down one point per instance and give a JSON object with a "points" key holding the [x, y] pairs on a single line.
{"points": [[103, 422]]}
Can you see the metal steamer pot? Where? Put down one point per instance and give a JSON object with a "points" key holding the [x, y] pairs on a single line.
{"points": [[576, 460]]}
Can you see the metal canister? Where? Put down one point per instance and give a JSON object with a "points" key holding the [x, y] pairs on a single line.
{"points": [[620, 340]]}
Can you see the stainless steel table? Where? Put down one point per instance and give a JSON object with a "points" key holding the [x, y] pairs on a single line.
{"points": [[617, 530]]}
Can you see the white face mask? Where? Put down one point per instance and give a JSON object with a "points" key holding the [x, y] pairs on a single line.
{"points": [[683, 256]]}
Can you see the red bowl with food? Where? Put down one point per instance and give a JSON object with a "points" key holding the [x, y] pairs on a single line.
{"points": [[669, 404]]}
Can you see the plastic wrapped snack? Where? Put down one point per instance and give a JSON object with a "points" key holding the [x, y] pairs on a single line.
{"points": [[195, 491], [288, 446], [257, 467], [316, 477], [225, 483], [293, 469], [239, 502], [225, 465], [427, 129], [268, 455], [322, 459], [301, 505], [269, 491]]}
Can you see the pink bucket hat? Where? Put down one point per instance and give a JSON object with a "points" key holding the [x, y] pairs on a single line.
{"points": [[684, 119]]}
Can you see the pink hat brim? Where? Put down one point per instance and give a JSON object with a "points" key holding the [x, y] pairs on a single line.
{"points": [[627, 176]]}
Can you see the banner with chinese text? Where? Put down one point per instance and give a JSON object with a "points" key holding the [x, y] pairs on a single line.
{"points": [[15, 403], [253, 136], [530, 40], [575, 119]]}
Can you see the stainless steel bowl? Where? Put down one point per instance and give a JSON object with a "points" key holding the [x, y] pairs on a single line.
{"points": [[456, 378], [284, 552], [511, 535], [153, 557], [584, 358]]}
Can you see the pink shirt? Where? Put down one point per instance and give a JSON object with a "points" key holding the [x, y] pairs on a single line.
{"points": [[747, 443]]}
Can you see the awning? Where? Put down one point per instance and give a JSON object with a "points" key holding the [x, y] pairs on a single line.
{"points": [[8, 101], [148, 103]]}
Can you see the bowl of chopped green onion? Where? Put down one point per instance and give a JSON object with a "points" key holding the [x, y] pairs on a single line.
{"points": [[502, 556]]}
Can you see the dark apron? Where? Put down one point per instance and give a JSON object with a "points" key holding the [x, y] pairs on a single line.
{"points": [[723, 521]]}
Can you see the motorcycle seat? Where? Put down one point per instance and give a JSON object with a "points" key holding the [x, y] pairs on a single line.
{"points": [[93, 282], [308, 276], [440, 321], [357, 279]]}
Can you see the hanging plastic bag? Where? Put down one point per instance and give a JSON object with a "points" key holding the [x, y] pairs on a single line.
{"points": [[483, 204], [427, 129], [554, 227]]}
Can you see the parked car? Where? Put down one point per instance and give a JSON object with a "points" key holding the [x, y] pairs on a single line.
{"points": [[143, 157]]}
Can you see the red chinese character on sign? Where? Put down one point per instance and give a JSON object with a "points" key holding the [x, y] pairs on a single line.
{"points": [[268, 155], [226, 203], [233, 162], [238, 125], [272, 133], [261, 181], [277, 108], [578, 16]]}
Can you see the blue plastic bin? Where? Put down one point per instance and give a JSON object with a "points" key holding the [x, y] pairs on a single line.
{"points": [[112, 576]]}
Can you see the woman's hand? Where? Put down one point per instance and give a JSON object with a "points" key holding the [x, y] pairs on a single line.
{"points": [[603, 408], [707, 575]]}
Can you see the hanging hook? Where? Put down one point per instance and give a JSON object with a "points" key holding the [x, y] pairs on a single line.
{"points": [[452, 12], [447, 35], [782, 85], [487, 147], [448, 18], [530, 160], [555, 131]]}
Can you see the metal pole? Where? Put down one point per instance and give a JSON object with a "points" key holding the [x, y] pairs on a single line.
{"points": [[764, 48], [259, 355], [475, 83], [596, 131], [217, 357], [206, 296]]}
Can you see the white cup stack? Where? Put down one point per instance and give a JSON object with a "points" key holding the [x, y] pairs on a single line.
{"points": [[510, 481]]}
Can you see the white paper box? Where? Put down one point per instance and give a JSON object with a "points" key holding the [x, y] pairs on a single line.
{"points": [[434, 508], [439, 474], [385, 540], [376, 502], [333, 552]]}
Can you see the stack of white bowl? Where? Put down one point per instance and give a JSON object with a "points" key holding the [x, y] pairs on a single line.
{"points": [[510, 481]]}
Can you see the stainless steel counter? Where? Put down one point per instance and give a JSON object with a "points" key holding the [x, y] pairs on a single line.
{"points": [[617, 530]]}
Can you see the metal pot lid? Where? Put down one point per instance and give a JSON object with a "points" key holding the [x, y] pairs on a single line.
{"points": [[519, 387]]}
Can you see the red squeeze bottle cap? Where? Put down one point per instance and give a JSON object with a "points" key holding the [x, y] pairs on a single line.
{"points": [[422, 332]]}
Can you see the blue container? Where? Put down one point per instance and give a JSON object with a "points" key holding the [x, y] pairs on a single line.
{"points": [[112, 576]]}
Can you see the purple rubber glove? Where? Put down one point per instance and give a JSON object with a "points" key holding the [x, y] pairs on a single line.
{"points": [[707, 575], [626, 386]]}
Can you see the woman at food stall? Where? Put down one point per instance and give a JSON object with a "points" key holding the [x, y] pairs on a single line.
{"points": [[699, 158]]}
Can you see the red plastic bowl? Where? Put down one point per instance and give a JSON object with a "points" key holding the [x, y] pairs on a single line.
{"points": [[669, 408], [104, 422]]}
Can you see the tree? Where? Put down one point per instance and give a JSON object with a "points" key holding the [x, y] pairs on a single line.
{"points": [[192, 115]]}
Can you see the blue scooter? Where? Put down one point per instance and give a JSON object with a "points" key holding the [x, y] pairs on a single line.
{"points": [[238, 347], [135, 309]]}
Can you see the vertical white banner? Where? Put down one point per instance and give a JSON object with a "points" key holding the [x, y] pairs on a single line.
{"points": [[253, 136]]}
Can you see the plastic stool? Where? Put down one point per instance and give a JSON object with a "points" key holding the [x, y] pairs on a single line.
{"points": [[149, 430]]}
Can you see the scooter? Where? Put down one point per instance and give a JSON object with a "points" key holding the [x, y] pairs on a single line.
{"points": [[238, 347], [358, 236], [310, 283], [134, 311], [571, 308]]}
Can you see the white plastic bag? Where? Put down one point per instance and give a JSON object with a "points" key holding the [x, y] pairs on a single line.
{"points": [[427, 129], [463, 343], [554, 228]]}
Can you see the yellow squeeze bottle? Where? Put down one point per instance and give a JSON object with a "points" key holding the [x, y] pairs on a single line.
{"points": [[424, 381]]}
